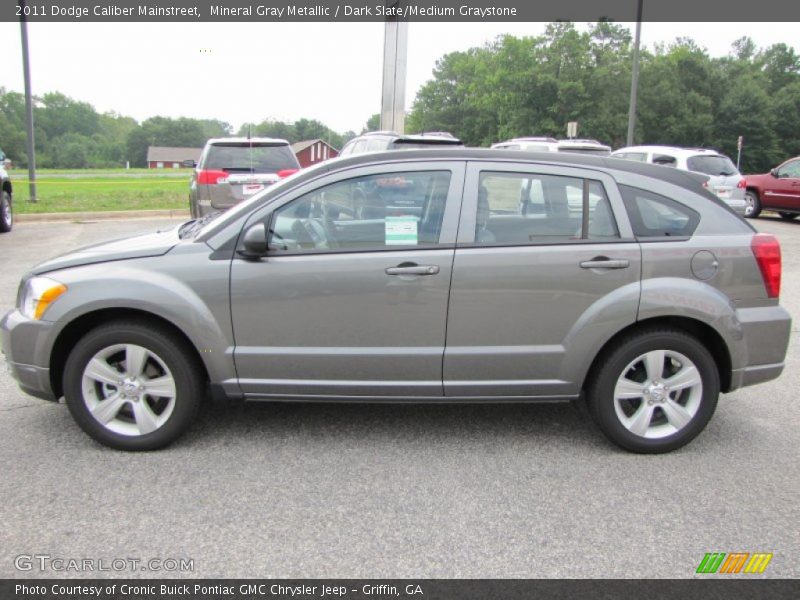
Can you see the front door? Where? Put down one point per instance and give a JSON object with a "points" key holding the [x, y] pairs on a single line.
{"points": [[352, 297], [543, 271]]}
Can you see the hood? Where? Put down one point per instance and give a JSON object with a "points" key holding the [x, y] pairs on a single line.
{"points": [[140, 246]]}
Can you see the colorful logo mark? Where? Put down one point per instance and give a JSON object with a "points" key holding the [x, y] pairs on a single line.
{"points": [[734, 562]]}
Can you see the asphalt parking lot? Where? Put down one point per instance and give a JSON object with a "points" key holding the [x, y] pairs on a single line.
{"points": [[282, 490]]}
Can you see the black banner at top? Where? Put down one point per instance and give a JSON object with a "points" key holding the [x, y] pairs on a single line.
{"points": [[407, 10]]}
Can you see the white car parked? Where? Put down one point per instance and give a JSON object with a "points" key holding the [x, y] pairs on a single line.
{"points": [[724, 178], [548, 144]]}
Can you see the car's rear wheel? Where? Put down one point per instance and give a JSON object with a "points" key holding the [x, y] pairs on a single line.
{"points": [[753, 205], [786, 216], [132, 386], [6, 216], [655, 391]]}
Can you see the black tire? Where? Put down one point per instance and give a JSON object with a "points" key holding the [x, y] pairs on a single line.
{"points": [[602, 383], [753, 208], [6, 214], [788, 216], [179, 358]]}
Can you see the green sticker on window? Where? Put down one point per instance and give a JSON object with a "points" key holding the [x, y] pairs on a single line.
{"points": [[401, 231]]}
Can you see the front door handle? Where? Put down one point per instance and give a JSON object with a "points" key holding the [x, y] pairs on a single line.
{"points": [[413, 269], [601, 262]]}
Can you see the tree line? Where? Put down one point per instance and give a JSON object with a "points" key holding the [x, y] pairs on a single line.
{"points": [[535, 85], [507, 88]]}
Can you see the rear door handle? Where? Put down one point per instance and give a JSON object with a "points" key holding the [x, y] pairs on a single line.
{"points": [[602, 262], [406, 269]]}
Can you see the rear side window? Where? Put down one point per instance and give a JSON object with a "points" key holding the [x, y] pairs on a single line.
{"points": [[255, 158], [665, 160], [527, 208], [656, 216], [711, 165]]}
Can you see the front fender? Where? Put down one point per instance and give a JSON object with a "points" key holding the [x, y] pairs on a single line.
{"points": [[198, 308]]}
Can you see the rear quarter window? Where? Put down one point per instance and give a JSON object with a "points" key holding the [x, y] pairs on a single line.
{"points": [[656, 216]]}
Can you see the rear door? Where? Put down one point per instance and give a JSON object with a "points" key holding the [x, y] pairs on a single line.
{"points": [[543, 272], [351, 302]]}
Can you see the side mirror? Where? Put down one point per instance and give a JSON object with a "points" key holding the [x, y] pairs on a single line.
{"points": [[774, 173], [189, 164], [254, 242]]}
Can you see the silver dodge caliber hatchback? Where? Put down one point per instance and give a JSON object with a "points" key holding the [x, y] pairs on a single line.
{"points": [[473, 276]]}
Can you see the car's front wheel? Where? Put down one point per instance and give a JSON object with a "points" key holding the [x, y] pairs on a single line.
{"points": [[6, 216], [655, 391], [753, 205], [132, 386]]}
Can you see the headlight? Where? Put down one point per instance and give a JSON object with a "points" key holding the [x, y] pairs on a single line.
{"points": [[39, 293]]}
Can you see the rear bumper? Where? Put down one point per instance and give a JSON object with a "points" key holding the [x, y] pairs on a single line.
{"points": [[765, 340]]}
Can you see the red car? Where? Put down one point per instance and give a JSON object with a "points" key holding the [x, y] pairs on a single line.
{"points": [[778, 190]]}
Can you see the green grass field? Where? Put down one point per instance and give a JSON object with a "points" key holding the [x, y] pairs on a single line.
{"points": [[102, 190]]}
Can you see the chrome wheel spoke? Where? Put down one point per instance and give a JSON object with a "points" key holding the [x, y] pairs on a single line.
{"points": [[99, 370], [627, 389], [106, 410], [146, 419], [687, 377], [640, 420], [676, 414], [160, 387], [135, 359], [654, 364]]}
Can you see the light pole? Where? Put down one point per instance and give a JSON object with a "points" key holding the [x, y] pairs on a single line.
{"points": [[26, 68], [635, 73]]}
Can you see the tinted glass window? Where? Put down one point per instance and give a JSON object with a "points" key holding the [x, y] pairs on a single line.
{"points": [[375, 212], [517, 208], [348, 148], [250, 159], [376, 144], [653, 215], [665, 160], [711, 165]]}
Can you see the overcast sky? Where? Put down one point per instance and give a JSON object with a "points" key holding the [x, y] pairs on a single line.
{"points": [[241, 72]]}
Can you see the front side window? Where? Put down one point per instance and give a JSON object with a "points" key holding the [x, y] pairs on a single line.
{"points": [[375, 212], [656, 216], [523, 208], [790, 169]]}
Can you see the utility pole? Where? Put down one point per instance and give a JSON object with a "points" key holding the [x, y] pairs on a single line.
{"points": [[635, 73], [395, 51], [26, 68]]}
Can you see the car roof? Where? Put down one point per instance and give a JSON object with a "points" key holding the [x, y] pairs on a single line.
{"points": [[685, 179], [247, 140], [676, 150]]}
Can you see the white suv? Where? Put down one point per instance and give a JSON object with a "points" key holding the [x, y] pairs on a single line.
{"points": [[724, 178]]}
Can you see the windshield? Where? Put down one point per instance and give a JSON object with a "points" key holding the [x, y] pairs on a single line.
{"points": [[254, 158], [402, 144], [712, 165]]}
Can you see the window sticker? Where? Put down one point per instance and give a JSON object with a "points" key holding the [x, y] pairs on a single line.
{"points": [[401, 231]]}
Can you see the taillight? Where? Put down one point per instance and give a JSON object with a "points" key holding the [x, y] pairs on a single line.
{"points": [[286, 172], [742, 183], [211, 177], [767, 252]]}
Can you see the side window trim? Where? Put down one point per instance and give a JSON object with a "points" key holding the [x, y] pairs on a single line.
{"points": [[467, 222]]}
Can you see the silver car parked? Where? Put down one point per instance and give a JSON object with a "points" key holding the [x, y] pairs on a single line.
{"points": [[470, 278]]}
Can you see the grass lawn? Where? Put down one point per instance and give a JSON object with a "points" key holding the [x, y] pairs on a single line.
{"points": [[102, 190]]}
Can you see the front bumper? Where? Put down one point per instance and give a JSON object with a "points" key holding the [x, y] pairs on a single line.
{"points": [[27, 345]]}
